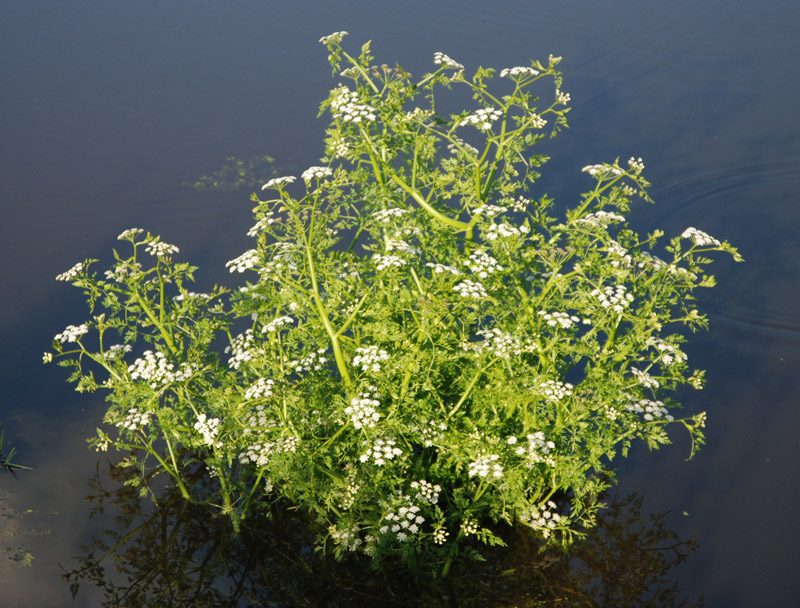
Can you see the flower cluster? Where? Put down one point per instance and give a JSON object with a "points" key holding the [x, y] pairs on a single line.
{"points": [[279, 182], [440, 268], [262, 224], [72, 273], [426, 492], [499, 343], [403, 522], [382, 262], [369, 358], [385, 215], [155, 369], [129, 234], [562, 98], [275, 325], [544, 520], [334, 38], [486, 465], [669, 354], [700, 238], [644, 378], [161, 249], [262, 388], [135, 420], [470, 289], [505, 231], [650, 409], [538, 450], [490, 211], [482, 264], [72, 333], [558, 319], [616, 298], [603, 171], [555, 390], [115, 351], [209, 429], [445, 61], [431, 432], [601, 218], [260, 453], [518, 72], [314, 361], [381, 451], [363, 412], [248, 260], [482, 119], [243, 349], [316, 173]]}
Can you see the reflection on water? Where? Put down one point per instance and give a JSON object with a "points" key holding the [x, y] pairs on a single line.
{"points": [[183, 554]]}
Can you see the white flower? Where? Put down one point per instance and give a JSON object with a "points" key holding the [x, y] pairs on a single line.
{"points": [[518, 72], [537, 451], [209, 429], [486, 465], [72, 333], [72, 273], [603, 171], [644, 378], [601, 218], [382, 262], [160, 249], [279, 182], [385, 215], [482, 119], [558, 319], [316, 172], [155, 368], [636, 164], [562, 98], [275, 325], [555, 390], [248, 260], [616, 298], [381, 451], [129, 234], [117, 350], [262, 388], [470, 289], [440, 268], [362, 412], [505, 230], [334, 38], [651, 410], [369, 358], [482, 264], [312, 362], [135, 420], [700, 238], [440, 58], [426, 491]]}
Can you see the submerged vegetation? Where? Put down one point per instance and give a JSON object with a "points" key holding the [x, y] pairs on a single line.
{"points": [[427, 356]]}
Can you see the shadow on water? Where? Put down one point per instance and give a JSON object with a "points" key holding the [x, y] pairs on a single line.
{"points": [[183, 554]]}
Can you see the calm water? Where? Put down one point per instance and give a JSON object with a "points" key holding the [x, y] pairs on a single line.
{"points": [[108, 109]]}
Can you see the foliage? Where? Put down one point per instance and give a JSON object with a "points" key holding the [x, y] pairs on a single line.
{"points": [[5, 459], [426, 354], [239, 174], [183, 554]]}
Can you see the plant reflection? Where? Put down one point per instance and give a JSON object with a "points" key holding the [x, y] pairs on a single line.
{"points": [[184, 554]]}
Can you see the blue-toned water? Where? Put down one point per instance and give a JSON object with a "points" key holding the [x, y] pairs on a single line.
{"points": [[109, 109]]}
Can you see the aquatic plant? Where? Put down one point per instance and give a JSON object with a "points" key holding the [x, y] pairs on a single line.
{"points": [[427, 351]]}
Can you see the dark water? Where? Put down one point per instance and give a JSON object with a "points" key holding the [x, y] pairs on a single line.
{"points": [[108, 109]]}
